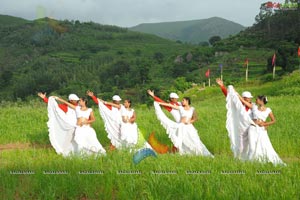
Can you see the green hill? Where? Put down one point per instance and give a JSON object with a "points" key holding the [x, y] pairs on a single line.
{"points": [[6, 20], [193, 31], [68, 56], [278, 32]]}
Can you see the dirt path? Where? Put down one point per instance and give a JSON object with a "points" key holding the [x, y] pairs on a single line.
{"points": [[14, 146]]}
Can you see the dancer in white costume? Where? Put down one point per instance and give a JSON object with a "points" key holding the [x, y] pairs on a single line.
{"points": [[239, 118], [129, 129], [73, 99], [260, 147], [61, 124], [173, 98], [238, 123], [61, 128], [85, 136], [111, 116], [183, 135]]}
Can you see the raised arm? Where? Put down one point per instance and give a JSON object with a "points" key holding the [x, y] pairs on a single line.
{"points": [[151, 93], [91, 94], [169, 105], [222, 86], [43, 96], [65, 102]]}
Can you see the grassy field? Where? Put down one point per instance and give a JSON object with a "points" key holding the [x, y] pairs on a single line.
{"points": [[37, 172]]}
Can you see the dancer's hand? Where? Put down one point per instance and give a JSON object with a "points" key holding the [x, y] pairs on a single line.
{"points": [[89, 93], [219, 82], [41, 95], [260, 123], [151, 93]]}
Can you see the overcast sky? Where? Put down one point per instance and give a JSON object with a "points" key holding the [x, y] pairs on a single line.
{"points": [[127, 13]]}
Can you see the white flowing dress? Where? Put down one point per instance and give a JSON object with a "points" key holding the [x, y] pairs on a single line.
{"points": [[237, 124], [260, 147], [184, 136], [85, 136], [112, 123], [129, 131], [61, 127]]}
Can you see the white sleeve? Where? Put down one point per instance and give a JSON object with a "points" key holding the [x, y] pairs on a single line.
{"points": [[254, 111], [123, 110], [77, 110], [181, 110]]}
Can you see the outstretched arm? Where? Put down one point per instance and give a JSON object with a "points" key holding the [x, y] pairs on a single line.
{"points": [[151, 93], [169, 105], [43, 96], [246, 103], [65, 102], [91, 94], [110, 103], [222, 86]]}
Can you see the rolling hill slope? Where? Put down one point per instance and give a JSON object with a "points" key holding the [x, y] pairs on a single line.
{"points": [[193, 31]]}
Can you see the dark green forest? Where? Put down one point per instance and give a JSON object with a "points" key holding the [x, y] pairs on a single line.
{"points": [[62, 57]]}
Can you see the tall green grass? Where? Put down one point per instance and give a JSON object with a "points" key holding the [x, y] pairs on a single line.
{"points": [[215, 182]]}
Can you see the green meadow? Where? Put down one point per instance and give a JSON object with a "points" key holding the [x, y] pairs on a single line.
{"points": [[37, 172]]}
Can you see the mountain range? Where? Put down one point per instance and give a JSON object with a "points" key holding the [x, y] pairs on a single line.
{"points": [[193, 31]]}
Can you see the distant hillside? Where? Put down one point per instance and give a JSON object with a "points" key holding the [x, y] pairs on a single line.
{"points": [[278, 32], [62, 57], [193, 31], [6, 20], [65, 57]]}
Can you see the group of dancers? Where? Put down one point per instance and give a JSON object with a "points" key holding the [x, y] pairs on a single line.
{"points": [[70, 130]]}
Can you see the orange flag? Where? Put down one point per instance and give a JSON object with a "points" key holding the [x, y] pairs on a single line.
{"points": [[207, 73]]}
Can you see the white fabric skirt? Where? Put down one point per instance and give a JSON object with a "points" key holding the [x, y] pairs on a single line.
{"points": [[237, 124], [112, 125], [86, 139], [260, 146], [184, 137], [129, 134], [61, 127]]}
